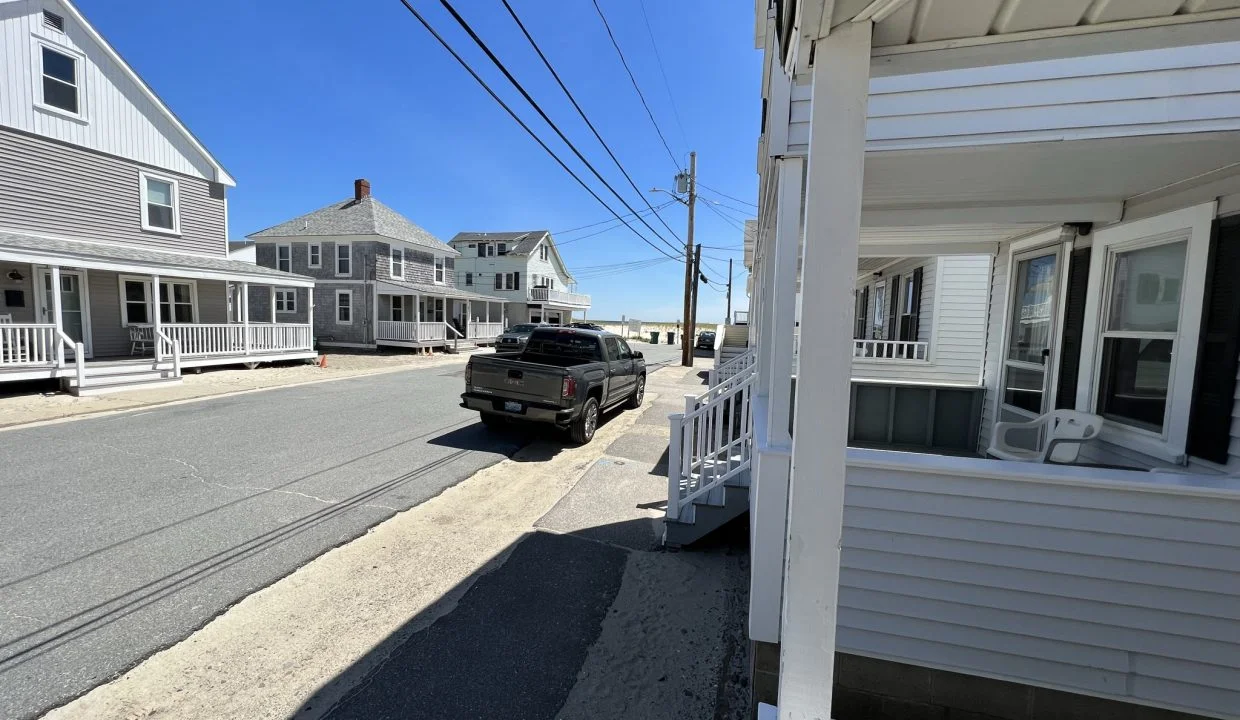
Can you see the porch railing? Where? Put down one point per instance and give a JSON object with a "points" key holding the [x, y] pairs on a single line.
{"points": [[28, 345], [485, 329], [400, 331], [542, 294], [733, 367], [280, 336], [219, 339], [891, 350], [711, 441]]}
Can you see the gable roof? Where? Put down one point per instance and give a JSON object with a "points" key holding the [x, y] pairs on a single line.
{"points": [[523, 243], [221, 174], [367, 216]]}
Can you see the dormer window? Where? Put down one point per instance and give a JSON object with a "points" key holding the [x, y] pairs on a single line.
{"points": [[501, 248], [60, 80], [160, 197]]}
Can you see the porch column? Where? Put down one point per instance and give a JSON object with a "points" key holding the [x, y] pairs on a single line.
{"points": [[773, 461], [156, 325], [245, 315], [57, 319], [310, 313], [271, 291], [374, 315], [816, 495]]}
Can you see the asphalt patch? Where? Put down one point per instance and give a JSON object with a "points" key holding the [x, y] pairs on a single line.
{"points": [[511, 648]]}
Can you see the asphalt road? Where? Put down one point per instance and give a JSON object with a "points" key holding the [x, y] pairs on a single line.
{"points": [[123, 534]]}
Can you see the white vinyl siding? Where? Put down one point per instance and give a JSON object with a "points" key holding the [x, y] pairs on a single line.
{"points": [[122, 120], [1120, 589]]}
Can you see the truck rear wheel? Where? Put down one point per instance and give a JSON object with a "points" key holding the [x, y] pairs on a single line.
{"points": [[582, 430], [491, 420]]}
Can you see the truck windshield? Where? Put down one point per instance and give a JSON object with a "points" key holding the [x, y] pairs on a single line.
{"points": [[523, 328], [564, 344]]}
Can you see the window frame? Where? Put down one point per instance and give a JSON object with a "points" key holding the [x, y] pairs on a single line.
{"points": [[79, 77], [314, 255], [469, 279], [396, 302], [348, 306], [878, 311], [286, 297], [149, 300], [289, 259], [501, 248], [441, 270], [396, 261], [348, 259], [143, 178]]}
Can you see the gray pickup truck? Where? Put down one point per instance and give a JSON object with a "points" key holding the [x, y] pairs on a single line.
{"points": [[564, 377]]}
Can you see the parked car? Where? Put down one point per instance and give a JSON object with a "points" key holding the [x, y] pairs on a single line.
{"points": [[706, 340], [586, 326], [564, 377], [513, 339]]}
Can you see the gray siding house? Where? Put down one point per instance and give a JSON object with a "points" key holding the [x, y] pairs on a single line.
{"points": [[114, 267], [380, 279]]}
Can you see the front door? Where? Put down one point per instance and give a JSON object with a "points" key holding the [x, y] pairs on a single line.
{"points": [[74, 305], [1027, 359]]}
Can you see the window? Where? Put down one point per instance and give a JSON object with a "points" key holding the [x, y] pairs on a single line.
{"points": [[159, 204], [1140, 334], [512, 281], [613, 349], [398, 263], [499, 281], [316, 255], [626, 352], [284, 258], [439, 270], [178, 301], [60, 80], [542, 252], [398, 308], [501, 248], [286, 301], [551, 283], [344, 307], [344, 259], [136, 309], [469, 278], [880, 311]]}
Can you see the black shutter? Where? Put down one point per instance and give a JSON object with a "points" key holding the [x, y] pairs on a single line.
{"points": [[516, 281], [1214, 385], [863, 309], [1073, 329], [893, 309], [914, 319]]}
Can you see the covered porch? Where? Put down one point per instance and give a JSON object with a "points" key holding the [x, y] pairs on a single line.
{"points": [[421, 316], [103, 318]]}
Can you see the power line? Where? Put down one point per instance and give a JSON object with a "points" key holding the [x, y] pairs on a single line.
{"points": [[596, 232], [633, 80], [524, 127], [582, 113], [730, 221], [746, 213], [666, 85], [723, 194], [538, 108], [608, 220]]}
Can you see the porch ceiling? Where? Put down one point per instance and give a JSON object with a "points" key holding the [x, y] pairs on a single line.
{"points": [[1038, 183]]}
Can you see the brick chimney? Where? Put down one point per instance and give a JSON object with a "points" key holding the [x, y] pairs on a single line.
{"points": [[361, 189]]}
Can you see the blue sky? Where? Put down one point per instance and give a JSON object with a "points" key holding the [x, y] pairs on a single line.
{"points": [[299, 98]]}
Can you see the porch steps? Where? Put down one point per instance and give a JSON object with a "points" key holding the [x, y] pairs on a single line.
{"points": [[108, 378], [463, 347], [708, 513]]}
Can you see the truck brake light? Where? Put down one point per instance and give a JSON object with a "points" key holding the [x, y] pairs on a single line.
{"points": [[469, 375], [569, 388]]}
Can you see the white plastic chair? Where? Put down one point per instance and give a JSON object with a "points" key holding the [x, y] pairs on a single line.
{"points": [[1063, 432]]}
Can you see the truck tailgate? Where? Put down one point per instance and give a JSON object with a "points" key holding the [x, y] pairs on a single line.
{"points": [[518, 380]]}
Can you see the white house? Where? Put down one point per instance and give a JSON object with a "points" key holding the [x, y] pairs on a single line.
{"points": [[1091, 151], [525, 269], [114, 261]]}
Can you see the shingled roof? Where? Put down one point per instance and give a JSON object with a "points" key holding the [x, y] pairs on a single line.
{"points": [[523, 241], [365, 216]]}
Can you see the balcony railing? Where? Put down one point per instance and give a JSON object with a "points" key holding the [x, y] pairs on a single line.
{"points": [[559, 297], [898, 350]]}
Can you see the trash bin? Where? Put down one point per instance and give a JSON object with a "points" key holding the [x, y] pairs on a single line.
{"points": [[654, 337], [671, 338]]}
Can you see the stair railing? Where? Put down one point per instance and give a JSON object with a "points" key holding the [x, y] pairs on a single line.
{"points": [[79, 355], [169, 346], [456, 341], [735, 366], [711, 440]]}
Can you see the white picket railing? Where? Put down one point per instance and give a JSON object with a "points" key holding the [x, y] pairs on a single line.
{"points": [[279, 337], [542, 294], [735, 366], [485, 330], [220, 339], [891, 350], [27, 345], [711, 441]]}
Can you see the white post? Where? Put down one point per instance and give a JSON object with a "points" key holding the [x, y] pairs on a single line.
{"points": [[836, 170], [374, 315], [245, 315], [310, 313], [271, 290], [156, 324], [57, 318], [674, 446], [773, 461]]}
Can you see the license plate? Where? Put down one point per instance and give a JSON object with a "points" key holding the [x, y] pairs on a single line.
{"points": [[511, 406]]}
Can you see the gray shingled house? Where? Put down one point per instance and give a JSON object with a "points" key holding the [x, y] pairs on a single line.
{"points": [[380, 279]]}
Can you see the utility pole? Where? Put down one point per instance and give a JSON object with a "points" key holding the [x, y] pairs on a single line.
{"points": [[686, 336], [697, 277], [727, 319]]}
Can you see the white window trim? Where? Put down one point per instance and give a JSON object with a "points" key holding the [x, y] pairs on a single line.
{"points": [[143, 176], [79, 75], [440, 270], [336, 259], [469, 279], [336, 309], [311, 250], [1194, 225], [290, 257], [290, 300], [392, 304], [151, 306], [396, 255]]}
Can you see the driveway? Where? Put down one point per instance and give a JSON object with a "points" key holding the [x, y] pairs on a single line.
{"points": [[123, 534]]}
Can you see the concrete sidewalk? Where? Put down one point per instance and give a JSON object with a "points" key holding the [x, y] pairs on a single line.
{"points": [[534, 589]]}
